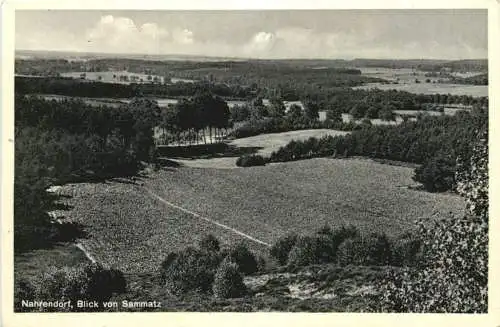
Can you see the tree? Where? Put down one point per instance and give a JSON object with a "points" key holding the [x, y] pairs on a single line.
{"points": [[311, 109], [295, 112], [259, 110], [277, 108], [240, 113], [386, 114]]}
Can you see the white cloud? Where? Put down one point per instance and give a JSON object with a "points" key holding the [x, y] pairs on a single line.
{"points": [[184, 36], [121, 34]]}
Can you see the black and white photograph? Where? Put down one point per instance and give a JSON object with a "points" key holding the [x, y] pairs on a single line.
{"points": [[331, 161]]}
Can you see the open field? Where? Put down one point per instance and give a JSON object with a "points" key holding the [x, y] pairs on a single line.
{"points": [[432, 88], [265, 145], [134, 226]]}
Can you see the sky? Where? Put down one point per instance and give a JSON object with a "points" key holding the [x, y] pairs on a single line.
{"points": [[328, 34]]}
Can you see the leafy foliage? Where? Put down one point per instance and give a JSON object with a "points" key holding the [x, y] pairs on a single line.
{"points": [[453, 273], [282, 247], [85, 282], [250, 160], [228, 282]]}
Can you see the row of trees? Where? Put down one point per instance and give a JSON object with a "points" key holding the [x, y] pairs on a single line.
{"points": [[433, 142], [194, 116]]}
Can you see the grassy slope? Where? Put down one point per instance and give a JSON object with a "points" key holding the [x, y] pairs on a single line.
{"points": [[31, 264], [130, 230]]}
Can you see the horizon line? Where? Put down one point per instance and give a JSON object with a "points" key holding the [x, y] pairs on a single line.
{"points": [[244, 58]]}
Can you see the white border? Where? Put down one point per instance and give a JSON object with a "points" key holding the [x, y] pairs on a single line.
{"points": [[236, 319]]}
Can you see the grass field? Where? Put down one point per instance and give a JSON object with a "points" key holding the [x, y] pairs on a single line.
{"points": [[432, 88], [130, 229], [265, 143]]}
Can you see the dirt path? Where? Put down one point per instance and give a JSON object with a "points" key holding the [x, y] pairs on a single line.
{"points": [[194, 214]]}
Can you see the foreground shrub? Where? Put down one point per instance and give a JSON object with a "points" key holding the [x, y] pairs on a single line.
{"points": [[374, 249], [189, 270], [209, 243], [304, 252], [351, 251], [244, 258], [406, 250], [23, 290], [250, 160], [281, 249], [90, 282], [453, 273], [228, 282]]}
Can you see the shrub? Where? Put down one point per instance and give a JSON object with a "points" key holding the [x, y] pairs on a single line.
{"points": [[228, 282], [244, 258], [23, 290], [281, 249], [351, 251], [250, 160], [189, 270], [374, 249], [437, 174], [406, 250], [304, 252], [209, 243], [89, 282]]}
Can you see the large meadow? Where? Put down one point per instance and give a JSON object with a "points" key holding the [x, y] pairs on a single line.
{"points": [[133, 225]]}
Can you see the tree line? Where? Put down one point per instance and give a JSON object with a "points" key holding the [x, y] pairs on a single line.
{"points": [[433, 142]]}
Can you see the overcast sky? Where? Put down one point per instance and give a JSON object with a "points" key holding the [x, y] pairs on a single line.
{"points": [[443, 34]]}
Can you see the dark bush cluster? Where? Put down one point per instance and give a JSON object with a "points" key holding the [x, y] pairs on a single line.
{"points": [[250, 160], [208, 269], [345, 246], [89, 282]]}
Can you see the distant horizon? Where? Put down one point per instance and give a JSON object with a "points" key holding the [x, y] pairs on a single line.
{"points": [[434, 34], [111, 54]]}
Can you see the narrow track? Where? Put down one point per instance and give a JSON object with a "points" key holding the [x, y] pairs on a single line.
{"points": [[194, 214]]}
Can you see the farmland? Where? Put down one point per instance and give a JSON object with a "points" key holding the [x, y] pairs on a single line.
{"points": [[130, 229], [432, 88], [404, 79]]}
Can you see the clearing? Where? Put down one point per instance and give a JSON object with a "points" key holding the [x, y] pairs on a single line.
{"points": [[263, 144], [133, 230]]}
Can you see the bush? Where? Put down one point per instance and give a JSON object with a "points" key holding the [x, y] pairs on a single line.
{"points": [[437, 174], [189, 270], [351, 251], [228, 282], [90, 282], [209, 243], [304, 252], [281, 249], [374, 249], [250, 160], [406, 251], [244, 258], [23, 290]]}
